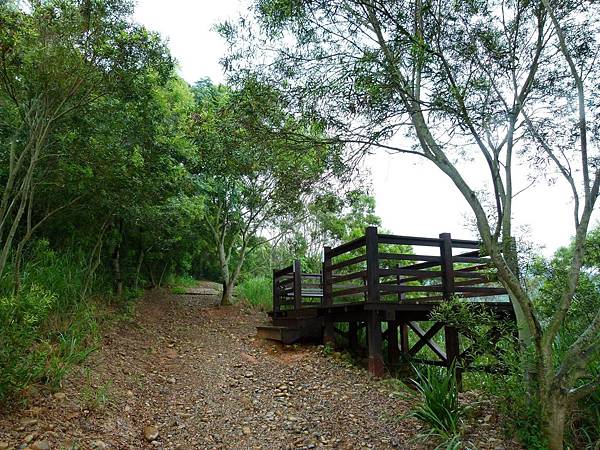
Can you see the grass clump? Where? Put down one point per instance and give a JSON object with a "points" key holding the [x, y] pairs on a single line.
{"points": [[438, 405], [257, 291]]}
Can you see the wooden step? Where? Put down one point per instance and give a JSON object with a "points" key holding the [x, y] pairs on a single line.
{"points": [[291, 334], [285, 335]]}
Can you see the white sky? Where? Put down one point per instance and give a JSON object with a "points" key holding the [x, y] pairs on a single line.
{"points": [[413, 198]]}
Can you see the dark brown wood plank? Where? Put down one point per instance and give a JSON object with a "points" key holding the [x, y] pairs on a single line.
{"points": [[395, 289], [463, 243], [425, 339], [348, 262], [351, 291], [351, 276], [470, 259], [286, 270], [408, 240], [409, 257], [347, 247]]}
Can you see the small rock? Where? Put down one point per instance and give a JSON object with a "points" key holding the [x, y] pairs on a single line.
{"points": [[29, 423], [172, 380], [28, 438], [3, 445], [99, 445], [40, 445], [246, 431], [151, 433], [60, 396]]}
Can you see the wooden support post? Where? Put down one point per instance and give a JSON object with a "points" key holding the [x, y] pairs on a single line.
{"points": [[392, 341], [353, 337], [453, 352], [398, 283], [404, 344], [297, 284], [450, 333], [372, 248], [276, 298], [327, 299], [328, 332], [374, 338], [447, 265]]}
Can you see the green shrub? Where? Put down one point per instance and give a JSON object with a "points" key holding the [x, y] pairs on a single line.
{"points": [[438, 406], [257, 291]]}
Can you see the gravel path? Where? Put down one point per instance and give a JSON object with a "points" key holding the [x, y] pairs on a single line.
{"points": [[188, 375]]}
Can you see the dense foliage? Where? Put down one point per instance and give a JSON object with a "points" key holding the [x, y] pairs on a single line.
{"points": [[116, 175]]}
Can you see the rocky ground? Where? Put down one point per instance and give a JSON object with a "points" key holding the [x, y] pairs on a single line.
{"points": [[188, 375]]}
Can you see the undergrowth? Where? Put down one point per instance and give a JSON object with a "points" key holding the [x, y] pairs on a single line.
{"points": [[47, 327], [257, 291]]}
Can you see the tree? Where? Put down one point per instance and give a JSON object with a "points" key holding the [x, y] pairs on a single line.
{"points": [[332, 218], [252, 175], [56, 58], [125, 159], [495, 84]]}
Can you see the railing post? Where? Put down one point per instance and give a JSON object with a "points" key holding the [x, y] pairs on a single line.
{"points": [[398, 283], [372, 250], [297, 284], [276, 299], [327, 298], [451, 337], [374, 335], [447, 265]]}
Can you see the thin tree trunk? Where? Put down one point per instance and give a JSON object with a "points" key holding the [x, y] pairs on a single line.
{"points": [[162, 274], [95, 260], [139, 268], [116, 260], [116, 263]]}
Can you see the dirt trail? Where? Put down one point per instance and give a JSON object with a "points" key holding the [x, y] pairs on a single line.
{"points": [[196, 375]]}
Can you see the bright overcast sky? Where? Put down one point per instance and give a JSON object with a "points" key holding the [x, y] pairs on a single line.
{"points": [[413, 198]]}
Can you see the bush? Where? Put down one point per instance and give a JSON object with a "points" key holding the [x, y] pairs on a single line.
{"points": [[257, 291]]}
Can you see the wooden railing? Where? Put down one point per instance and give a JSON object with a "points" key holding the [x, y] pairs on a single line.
{"points": [[293, 289], [379, 268]]}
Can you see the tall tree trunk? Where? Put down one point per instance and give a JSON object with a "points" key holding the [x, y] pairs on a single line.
{"points": [[554, 412]]}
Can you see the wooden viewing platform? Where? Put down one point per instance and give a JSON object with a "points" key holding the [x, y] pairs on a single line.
{"points": [[388, 286]]}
